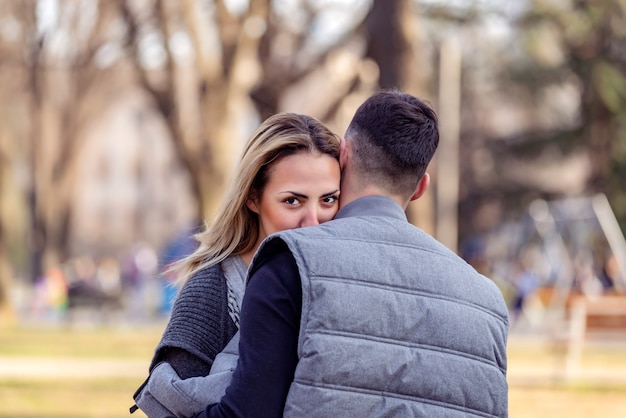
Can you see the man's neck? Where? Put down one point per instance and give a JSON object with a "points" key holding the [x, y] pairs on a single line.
{"points": [[348, 196]]}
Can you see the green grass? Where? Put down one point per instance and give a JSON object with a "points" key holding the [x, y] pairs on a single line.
{"points": [[44, 396], [68, 398], [599, 391], [110, 396], [86, 343]]}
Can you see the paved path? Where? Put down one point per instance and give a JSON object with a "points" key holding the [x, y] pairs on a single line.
{"points": [[520, 372], [62, 368], [549, 368], [57, 368]]}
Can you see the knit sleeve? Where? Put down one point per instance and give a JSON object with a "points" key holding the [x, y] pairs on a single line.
{"points": [[199, 322]]}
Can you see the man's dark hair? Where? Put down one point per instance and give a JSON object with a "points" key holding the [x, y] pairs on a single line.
{"points": [[394, 137]]}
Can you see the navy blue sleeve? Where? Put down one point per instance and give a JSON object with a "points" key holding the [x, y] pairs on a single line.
{"points": [[269, 327]]}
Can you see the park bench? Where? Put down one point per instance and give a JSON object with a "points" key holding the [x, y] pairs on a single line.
{"points": [[599, 318]]}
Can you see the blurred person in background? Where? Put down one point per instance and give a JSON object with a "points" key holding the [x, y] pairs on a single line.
{"points": [[50, 295], [139, 271], [525, 283], [182, 245], [288, 177]]}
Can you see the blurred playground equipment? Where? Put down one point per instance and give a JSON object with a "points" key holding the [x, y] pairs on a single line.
{"points": [[565, 264]]}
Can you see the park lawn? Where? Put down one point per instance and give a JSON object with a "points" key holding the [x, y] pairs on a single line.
{"points": [[111, 396], [68, 398], [81, 342], [79, 395], [570, 402], [598, 392]]}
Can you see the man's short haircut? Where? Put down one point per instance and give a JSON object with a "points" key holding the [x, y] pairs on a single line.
{"points": [[394, 137]]}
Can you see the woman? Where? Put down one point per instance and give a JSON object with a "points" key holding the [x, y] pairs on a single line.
{"points": [[288, 177]]}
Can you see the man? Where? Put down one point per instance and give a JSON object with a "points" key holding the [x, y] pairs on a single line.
{"points": [[367, 315]]}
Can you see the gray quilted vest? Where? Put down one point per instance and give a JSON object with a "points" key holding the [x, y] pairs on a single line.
{"points": [[393, 323]]}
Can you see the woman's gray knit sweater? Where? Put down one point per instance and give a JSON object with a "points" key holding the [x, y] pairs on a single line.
{"points": [[200, 325]]}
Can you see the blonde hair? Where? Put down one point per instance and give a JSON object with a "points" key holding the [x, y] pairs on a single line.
{"points": [[235, 229]]}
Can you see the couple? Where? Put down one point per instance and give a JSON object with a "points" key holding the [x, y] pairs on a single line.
{"points": [[365, 315]]}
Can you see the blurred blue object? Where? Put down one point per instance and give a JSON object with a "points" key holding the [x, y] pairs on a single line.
{"points": [[182, 245]]}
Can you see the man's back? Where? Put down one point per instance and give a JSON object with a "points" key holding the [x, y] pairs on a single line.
{"points": [[393, 323], [385, 321]]}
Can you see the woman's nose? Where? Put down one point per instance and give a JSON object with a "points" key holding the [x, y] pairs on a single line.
{"points": [[310, 218]]}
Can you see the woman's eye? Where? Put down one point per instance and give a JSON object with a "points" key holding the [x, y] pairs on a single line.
{"points": [[330, 199], [291, 201]]}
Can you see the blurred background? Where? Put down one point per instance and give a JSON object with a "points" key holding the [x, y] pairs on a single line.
{"points": [[121, 121]]}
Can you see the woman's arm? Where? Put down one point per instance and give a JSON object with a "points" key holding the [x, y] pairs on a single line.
{"points": [[167, 395], [199, 328], [199, 323], [185, 363], [270, 323]]}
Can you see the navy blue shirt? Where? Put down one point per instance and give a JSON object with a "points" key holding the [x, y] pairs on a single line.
{"points": [[269, 327]]}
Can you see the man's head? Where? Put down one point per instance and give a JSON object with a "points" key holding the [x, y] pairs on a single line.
{"points": [[390, 140]]}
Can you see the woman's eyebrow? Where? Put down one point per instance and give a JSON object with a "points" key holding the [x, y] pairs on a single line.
{"points": [[305, 196], [330, 193], [293, 193]]}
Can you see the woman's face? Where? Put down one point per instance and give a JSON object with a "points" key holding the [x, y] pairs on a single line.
{"points": [[302, 190]]}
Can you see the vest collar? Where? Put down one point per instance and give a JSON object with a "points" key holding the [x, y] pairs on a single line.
{"points": [[372, 206]]}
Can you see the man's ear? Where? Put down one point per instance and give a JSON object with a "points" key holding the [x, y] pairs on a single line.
{"points": [[343, 153], [421, 186]]}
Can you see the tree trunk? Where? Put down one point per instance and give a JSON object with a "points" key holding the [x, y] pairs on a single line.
{"points": [[37, 233], [6, 314], [599, 134], [392, 41]]}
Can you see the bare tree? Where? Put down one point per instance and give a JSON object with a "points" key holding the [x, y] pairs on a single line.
{"points": [[241, 58], [56, 50], [200, 102], [5, 267], [9, 153]]}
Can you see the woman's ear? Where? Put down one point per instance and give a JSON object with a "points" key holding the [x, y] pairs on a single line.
{"points": [[251, 204]]}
